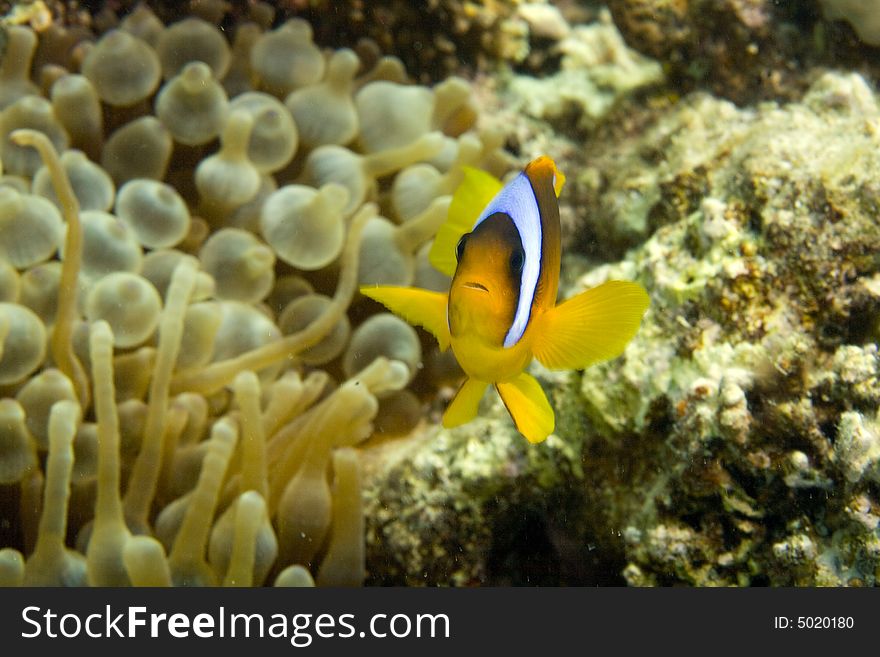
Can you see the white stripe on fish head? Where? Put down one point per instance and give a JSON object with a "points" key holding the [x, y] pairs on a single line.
{"points": [[517, 200]]}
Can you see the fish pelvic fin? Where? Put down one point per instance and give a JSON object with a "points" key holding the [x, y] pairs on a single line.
{"points": [[528, 406], [476, 190], [592, 326], [418, 307], [465, 404]]}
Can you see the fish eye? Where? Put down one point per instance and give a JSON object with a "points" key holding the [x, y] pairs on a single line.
{"points": [[517, 260], [459, 250]]}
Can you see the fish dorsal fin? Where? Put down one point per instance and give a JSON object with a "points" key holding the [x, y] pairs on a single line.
{"points": [[544, 165], [473, 194]]}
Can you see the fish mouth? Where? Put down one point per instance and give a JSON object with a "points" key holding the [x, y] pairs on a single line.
{"points": [[476, 286]]}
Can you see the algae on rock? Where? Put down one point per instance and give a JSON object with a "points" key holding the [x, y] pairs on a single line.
{"points": [[739, 388], [736, 440], [596, 71]]}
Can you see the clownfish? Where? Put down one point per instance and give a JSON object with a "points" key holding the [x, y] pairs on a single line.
{"points": [[501, 310]]}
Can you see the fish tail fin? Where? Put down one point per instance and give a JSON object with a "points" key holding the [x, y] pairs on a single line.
{"points": [[420, 307], [463, 407], [592, 326], [477, 188], [528, 406]]}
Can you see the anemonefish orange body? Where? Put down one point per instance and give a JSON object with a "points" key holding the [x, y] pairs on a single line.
{"points": [[502, 247]]}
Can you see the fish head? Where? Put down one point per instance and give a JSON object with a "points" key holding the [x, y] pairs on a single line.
{"points": [[485, 289]]}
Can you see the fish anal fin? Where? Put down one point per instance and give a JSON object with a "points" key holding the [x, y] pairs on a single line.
{"points": [[592, 326], [464, 406], [476, 190], [419, 307], [528, 406]]}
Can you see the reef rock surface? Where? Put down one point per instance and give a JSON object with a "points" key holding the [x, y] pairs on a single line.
{"points": [[737, 440]]}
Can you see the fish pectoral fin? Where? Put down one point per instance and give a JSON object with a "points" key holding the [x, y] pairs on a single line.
{"points": [[528, 406], [465, 404], [477, 188], [592, 326], [420, 307]]}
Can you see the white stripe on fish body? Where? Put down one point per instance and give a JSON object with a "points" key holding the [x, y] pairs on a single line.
{"points": [[517, 200]]}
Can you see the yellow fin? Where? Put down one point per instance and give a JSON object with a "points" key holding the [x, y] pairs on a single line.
{"points": [[472, 195], [545, 165], [464, 406], [591, 326], [558, 183], [528, 406], [419, 307]]}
